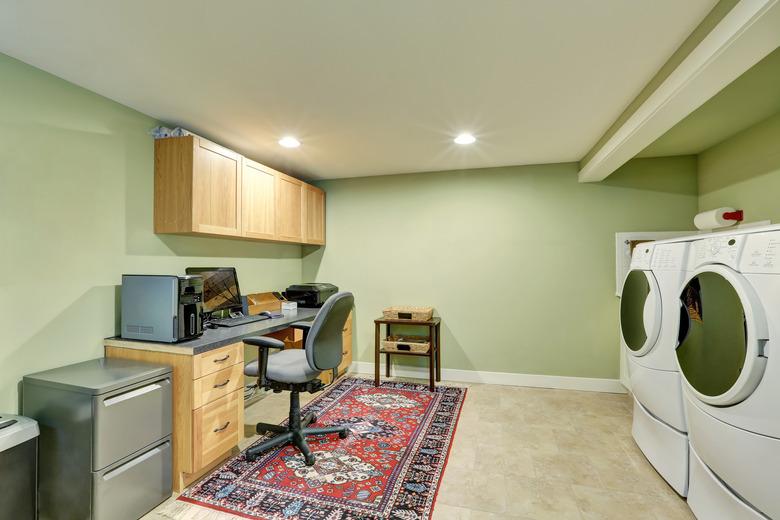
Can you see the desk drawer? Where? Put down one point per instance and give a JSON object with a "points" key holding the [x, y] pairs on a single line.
{"points": [[219, 384], [216, 428], [348, 325], [215, 360], [346, 353]]}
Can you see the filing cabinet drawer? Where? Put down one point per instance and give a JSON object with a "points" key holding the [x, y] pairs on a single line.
{"points": [[216, 428], [128, 420], [215, 360], [219, 384], [130, 488]]}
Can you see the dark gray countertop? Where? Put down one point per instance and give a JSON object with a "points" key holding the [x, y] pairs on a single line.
{"points": [[219, 337]]}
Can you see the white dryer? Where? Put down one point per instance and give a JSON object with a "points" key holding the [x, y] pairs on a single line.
{"points": [[730, 363], [650, 311]]}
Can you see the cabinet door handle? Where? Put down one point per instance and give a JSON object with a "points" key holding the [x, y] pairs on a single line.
{"points": [[223, 428], [222, 359], [221, 385]]}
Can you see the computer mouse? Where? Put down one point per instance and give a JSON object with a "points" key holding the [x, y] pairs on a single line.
{"points": [[264, 313]]}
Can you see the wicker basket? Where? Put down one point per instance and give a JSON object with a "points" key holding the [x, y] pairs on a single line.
{"points": [[403, 312], [419, 344]]}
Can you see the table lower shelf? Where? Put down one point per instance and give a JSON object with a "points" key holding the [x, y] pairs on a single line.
{"points": [[402, 353]]}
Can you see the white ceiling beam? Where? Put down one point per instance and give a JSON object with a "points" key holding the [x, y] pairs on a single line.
{"points": [[749, 32]]}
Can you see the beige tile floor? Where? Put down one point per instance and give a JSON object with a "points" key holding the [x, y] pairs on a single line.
{"points": [[526, 453]]}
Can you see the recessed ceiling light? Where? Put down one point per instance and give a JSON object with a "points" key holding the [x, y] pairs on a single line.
{"points": [[289, 142], [465, 139]]}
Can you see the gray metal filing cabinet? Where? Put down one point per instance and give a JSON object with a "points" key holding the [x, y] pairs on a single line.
{"points": [[105, 443]]}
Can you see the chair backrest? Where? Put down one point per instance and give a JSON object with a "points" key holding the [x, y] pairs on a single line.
{"points": [[324, 345]]}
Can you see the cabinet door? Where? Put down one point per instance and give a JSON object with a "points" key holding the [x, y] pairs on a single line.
{"points": [[216, 190], [289, 208], [314, 213], [216, 428], [258, 190]]}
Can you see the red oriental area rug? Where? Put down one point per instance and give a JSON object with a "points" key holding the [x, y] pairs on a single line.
{"points": [[389, 467]]}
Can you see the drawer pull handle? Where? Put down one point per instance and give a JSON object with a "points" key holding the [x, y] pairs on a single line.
{"points": [[222, 359], [221, 385], [223, 428], [127, 465], [131, 394]]}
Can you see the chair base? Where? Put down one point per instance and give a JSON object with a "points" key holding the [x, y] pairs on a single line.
{"points": [[295, 433]]}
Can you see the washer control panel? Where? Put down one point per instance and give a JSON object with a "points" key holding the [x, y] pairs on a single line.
{"points": [[724, 249], [761, 254]]}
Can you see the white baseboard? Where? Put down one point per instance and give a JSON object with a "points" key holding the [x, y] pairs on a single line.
{"points": [[588, 384]]}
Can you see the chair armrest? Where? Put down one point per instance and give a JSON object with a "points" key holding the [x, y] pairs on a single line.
{"points": [[264, 342], [303, 325]]}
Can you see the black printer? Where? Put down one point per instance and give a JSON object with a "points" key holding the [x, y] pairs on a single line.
{"points": [[311, 295]]}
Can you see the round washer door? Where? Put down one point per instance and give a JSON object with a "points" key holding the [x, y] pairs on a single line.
{"points": [[640, 311], [721, 356]]}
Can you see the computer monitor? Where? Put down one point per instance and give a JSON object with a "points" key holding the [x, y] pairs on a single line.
{"points": [[220, 288]]}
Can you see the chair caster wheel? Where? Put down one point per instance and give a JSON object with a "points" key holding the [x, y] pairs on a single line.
{"points": [[313, 419], [309, 460], [251, 458], [342, 435]]}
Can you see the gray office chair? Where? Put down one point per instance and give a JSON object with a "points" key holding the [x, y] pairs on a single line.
{"points": [[296, 371]]}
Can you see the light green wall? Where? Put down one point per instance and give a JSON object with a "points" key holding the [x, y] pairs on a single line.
{"points": [[744, 172], [76, 180], [518, 261]]}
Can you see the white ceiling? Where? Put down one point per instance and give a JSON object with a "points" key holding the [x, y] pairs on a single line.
{"points": [[369, 87]]}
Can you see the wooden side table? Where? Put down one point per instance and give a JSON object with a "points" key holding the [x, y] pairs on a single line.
{"points": [[433, 354]]}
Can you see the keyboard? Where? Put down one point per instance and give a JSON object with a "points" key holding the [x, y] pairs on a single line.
{"points": [[234, 322]]}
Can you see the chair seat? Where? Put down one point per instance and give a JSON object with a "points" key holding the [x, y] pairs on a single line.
{"points": [[252, 369], [287, 366]]}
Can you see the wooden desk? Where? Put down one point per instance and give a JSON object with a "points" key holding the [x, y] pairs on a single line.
{"points": [[208, 390], [433, 354]]}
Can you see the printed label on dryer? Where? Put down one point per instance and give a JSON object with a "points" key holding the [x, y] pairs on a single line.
{"points": [[668, 257], [761, 253]]}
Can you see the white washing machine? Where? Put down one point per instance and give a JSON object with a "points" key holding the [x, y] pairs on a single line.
{"points": [[650, 312], [730, 363]]}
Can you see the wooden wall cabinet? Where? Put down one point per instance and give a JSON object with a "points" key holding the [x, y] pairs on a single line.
{"points": [[289, 209], [202, 188], [197, 187], [313, 215], [259, 201]]}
